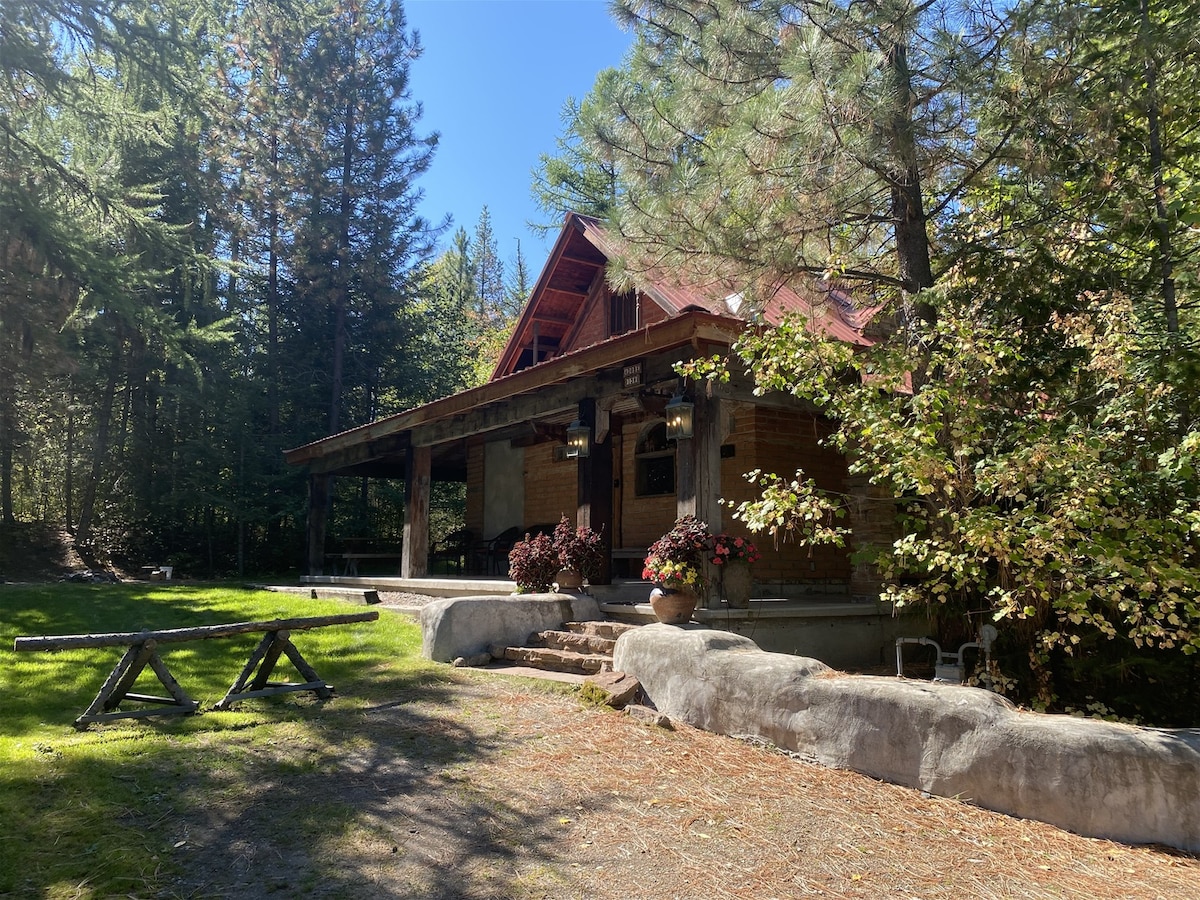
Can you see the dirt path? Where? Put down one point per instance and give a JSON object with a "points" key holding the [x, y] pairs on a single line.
{"points": [[492, 789]]}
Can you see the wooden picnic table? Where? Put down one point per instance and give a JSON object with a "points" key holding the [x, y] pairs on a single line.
{"points": [[143, 651], [351, 558]]}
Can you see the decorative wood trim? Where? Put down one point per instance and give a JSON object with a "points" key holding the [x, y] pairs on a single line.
{"points": [[657, 338]]}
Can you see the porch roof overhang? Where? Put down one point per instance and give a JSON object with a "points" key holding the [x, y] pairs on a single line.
{"points": [[551, 388]]}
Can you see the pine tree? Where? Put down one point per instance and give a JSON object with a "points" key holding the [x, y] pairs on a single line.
{"points": [[762, 142], [576, 178], [361, 237]]}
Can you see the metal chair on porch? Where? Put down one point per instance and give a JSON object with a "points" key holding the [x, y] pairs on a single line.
{"points": [[454, 550], [490, 557]]}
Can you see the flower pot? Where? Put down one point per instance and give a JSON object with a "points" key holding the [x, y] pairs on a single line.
{"points": [[568, 580], [673, 607], [736, 583]]}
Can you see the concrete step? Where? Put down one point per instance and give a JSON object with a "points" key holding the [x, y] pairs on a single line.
{"points": [[569, 640], [555, 660], [604, 629]]}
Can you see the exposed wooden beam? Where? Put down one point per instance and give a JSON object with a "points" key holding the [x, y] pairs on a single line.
{"points": [[357, 454], [541, 433], [415, 548], [570, 257], [561, 399], [553, 319], [594, 488], [659, 337]]}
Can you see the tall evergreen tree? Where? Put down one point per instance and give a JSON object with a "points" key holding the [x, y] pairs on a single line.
{"points": [[361, 236]]}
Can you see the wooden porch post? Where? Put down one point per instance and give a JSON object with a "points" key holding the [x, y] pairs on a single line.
{"points": [[414, 559], [595, 485], [698, 465], [318, 512]]}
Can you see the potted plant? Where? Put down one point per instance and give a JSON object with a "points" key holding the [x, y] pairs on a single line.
{"points": [[675, 563], [580, 553], [733, 556], [569, 557], [533, 563]]}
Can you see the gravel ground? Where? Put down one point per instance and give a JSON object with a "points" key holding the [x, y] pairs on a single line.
{"points": [[405, 600]]}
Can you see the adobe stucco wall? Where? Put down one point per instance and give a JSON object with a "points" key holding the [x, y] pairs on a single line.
{"points": [[1139, 785]]}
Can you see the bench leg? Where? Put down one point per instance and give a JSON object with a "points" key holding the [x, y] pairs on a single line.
{"points": [[247, 670], [322, 690], [116, 688], [277, 641], [264, 658]]}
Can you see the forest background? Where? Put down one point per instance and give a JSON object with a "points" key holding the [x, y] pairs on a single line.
{"points": [[199, 272], [211, 251]]}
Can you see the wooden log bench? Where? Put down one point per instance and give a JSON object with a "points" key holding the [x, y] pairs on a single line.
{"points": [[254, 680]]}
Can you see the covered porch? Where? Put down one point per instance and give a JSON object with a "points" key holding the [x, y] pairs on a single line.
{"points": [[507, 441]]}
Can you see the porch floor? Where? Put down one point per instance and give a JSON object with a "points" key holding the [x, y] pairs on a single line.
{"points": [[827, 625], [624, 596]]}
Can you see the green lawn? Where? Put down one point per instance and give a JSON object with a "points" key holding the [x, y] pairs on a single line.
{"points": [[80, 809]]}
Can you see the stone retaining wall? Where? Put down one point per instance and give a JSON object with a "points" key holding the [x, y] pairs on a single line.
{"points": [[467, 626], [1138, 785]]}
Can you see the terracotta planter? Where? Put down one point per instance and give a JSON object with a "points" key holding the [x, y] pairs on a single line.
{"points": [[568, 580], [736, 583], [673, 607]]}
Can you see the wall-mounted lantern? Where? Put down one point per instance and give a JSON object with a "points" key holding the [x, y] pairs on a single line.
{"points": [[579, 440], [680, 418]]}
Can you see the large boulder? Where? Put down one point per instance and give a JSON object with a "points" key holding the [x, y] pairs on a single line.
{"points": [[466, 626], [1140, 785]]}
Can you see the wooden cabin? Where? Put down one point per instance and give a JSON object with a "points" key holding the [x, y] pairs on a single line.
{"points": [[574, 421]]}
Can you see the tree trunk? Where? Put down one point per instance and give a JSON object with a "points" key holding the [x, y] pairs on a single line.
{"points": [[273, 294], [100, 444], [69, 474], [342, 287], [7, 439], [908, 206], [1162, 225]]}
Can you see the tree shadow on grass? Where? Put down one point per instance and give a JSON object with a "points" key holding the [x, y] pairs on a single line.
{"points": [[372, 794], [289, 798]]}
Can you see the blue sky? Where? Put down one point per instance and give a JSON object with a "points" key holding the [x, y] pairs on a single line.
{"points": [[493, 80]]}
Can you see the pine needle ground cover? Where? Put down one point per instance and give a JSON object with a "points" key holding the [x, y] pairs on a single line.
{"points": [[420, 781]]}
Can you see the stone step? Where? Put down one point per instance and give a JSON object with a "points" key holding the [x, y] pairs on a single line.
{"points": [[603, 629], [555, 660], [569, 640]]}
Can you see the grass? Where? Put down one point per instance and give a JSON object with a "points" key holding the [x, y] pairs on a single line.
{"points": [[84, 811]]}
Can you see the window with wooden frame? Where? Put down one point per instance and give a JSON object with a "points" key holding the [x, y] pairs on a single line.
{"points": [[622, 313], [654, 463]]}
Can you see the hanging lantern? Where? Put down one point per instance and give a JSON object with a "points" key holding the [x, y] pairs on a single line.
{"points": [[680, 418], [579, 440]]}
